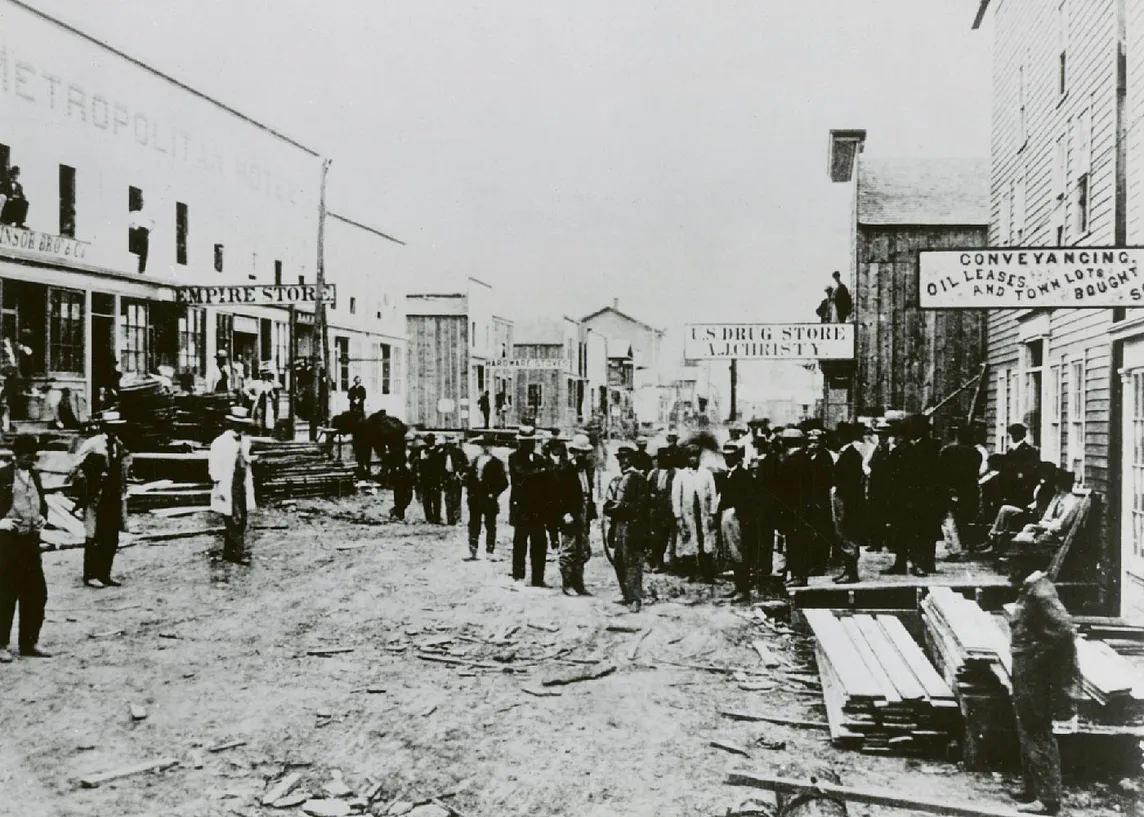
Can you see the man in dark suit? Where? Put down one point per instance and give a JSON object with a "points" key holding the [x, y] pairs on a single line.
{"points": [[843, 303], [486, 481], [1021, 471], [528, 473], [922, 502], [454, 465], [430, 479], [850, 489], [572, 498], [23, 509], [737, 512], [961, 467]]}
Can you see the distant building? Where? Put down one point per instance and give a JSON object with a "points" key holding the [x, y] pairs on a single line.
{"points": [[622, 419], [906, 358], [646, 343], [450, 338], [546, 363]]}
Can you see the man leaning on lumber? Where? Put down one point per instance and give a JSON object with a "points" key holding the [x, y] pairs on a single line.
{"points": [[1044, 675]]}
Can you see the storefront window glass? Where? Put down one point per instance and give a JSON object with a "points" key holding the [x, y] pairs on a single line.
{"points": [[133, 323], [193, 342], [66, 331]]}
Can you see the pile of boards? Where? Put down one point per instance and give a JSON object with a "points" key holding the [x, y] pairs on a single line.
{"points": [[882, 694], [167, 494], [156, 416], [294, 470], [965, 644]]}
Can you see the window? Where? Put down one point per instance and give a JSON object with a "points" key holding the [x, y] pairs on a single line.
{"points": [[1077, 407], [218, 257], [1063, 44], [193, 342], [342, 345], [138, 227], [180, 233], [277, 273], [535, 397], [571, 393], [66, 331], [1031, 405], [67, 201], [134, 199], [1056, 397], [474, 335], [395, 373], [387, 360], [282, 351], [1082, 150], [224, 333], [353, 305], [135, 345], [302, 280], [1059, 178]]}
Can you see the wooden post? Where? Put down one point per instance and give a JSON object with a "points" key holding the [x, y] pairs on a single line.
{"points": [[293, 356], [319, 350], [734, 391]]}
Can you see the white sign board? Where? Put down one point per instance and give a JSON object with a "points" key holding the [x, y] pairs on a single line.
{"points": [[1031, 278], [45, 245], [557, 363], [261, 295], [769, 341]]}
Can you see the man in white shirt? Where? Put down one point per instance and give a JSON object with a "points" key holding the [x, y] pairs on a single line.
{"points": [[1058, 517], [695, 505], [232, 495]]}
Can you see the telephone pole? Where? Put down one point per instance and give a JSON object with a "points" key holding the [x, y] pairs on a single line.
{"points": [[734, 390], [319, 348]]}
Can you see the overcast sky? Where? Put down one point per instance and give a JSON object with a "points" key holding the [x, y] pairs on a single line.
{"points": [[669, 153]]}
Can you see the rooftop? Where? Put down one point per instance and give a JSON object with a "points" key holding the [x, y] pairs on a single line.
{"points": [[539, 332], [614, 309], [923, 191]]}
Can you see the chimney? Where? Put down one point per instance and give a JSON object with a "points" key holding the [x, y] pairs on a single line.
{"points": [[616, 304]]}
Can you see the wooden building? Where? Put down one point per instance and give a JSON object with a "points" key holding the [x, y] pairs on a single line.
{"points": [[646, 344], [450, 342], [1068, 171], [546, 365], [906, 358]]}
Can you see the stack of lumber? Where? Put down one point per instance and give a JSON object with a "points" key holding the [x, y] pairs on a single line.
{"points": [[148, 408], [1105, 676], [63, 527], [200, 417], [293, 470], [965, 644], [166, 493], [882, 695]]}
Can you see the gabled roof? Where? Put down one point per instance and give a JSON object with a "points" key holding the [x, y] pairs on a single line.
{"points": [[923, 191], [623, 315]]}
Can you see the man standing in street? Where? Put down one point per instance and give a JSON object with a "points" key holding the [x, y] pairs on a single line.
{"points": [[528, 475], [918, 483], [454, 464], [960, 463], [576, 507], [737, 519], [672, 451], [1043, 646], [850, 489], [626, 509], [401, 476], [233, 491], [486, 482], [430, 476], [23, 510], [661, 520], [102, 465], [483, 406], [357, 397], [693, 502], [641, 459]]}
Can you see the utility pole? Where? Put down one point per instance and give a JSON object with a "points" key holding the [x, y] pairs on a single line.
{"points": [[319, 349], [734, 390]]}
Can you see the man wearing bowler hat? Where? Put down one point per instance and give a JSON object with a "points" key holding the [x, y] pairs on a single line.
{"points": [[102, 465], [232, 494], [23, 510]]}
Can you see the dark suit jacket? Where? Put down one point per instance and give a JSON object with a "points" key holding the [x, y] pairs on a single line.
{"points": [[528, 476], [567, 495], [849, 478], [488, 486], [738, 493], [8, 482], [1020, 473]]}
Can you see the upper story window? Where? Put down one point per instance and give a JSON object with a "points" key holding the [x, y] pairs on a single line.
{"points": [[218, 250], [181, 228], [67, 201], [1063, 45], [138, 227]]}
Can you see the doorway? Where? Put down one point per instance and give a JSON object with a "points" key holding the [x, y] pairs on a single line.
{"points": [[1132, 484], [104, 362]]}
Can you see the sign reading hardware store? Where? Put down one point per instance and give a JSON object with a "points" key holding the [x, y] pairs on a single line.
{"points": [[769, 341], [550, 363], [1031, 278], [284, 295], [42, 245]]}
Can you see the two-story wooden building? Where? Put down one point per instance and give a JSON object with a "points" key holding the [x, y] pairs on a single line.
{"points": [[1068, 172], [546, 361]]}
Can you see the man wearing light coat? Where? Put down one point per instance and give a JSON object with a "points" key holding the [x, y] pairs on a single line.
{"points": [[695, 505], [232, 494]]}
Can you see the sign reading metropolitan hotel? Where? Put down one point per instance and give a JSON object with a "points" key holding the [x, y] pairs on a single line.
{"points": [[284, 295], [769, 341], [1030, 278]]}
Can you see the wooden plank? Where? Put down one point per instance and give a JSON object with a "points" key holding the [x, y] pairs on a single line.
{"points": [[873, 797], [899, 672], [930, 679], [769, 659], [95, 780], [852, 672], [586, 674], [755, 717], [727, 746], [850, 626]]}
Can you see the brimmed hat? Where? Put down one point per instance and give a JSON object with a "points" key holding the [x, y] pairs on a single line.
{"points": [[793, 434], [815, 434], [882, 424], [239, 416], [580, 443], [625, 450], [25, 444], [642, 441], [110, 418], [430, 438], [894, 416], [672, 435], [526, 433], [410, 436], [732, 449]]}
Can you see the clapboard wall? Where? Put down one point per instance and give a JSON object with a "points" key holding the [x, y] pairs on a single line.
{"points": [[438, 369], [909, 359], [555, 387]]}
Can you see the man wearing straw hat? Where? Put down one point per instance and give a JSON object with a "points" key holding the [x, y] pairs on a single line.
{"points": [[23, 510], [233, 492], [102, 465]]}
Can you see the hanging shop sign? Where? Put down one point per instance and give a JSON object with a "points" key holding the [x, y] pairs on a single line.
{"points": [[43, 245], [549, 363], [1031, 278], [256, 295], [769, 341]]}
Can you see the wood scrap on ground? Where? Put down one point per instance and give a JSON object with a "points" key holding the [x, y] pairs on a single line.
{"points": [[775, 719], [588, 674], [730, 747], [636, 646], [324, 651], [95, 780], [769, 659]]}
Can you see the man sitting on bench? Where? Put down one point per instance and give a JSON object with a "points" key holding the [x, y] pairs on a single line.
{"points": [[1012, 518], [1058, 517]]}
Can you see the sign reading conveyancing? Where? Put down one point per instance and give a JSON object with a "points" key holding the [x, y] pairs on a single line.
{"points": [[1031, 278], [769, 341], [285, 295], [43, 245], [549, 363]]}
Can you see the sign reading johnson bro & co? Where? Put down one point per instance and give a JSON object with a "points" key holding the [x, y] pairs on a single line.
{"points": [[42, 245], [255, 295], [1031, 278], [769, 341]]}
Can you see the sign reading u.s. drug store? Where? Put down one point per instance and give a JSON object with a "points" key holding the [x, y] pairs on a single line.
{"points": [[769, 341], [1031, 278]]}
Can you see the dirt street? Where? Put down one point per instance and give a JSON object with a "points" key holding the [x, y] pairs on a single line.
{"points": [[210, 657]]}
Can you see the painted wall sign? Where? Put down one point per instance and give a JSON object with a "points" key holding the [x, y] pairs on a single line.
{"points": [[285, 295], [769, 341], [43, 245], [550, 363], [1031, 278]]}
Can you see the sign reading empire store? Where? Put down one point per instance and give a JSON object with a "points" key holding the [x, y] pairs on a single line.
{"points": [[1031, 278]]}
